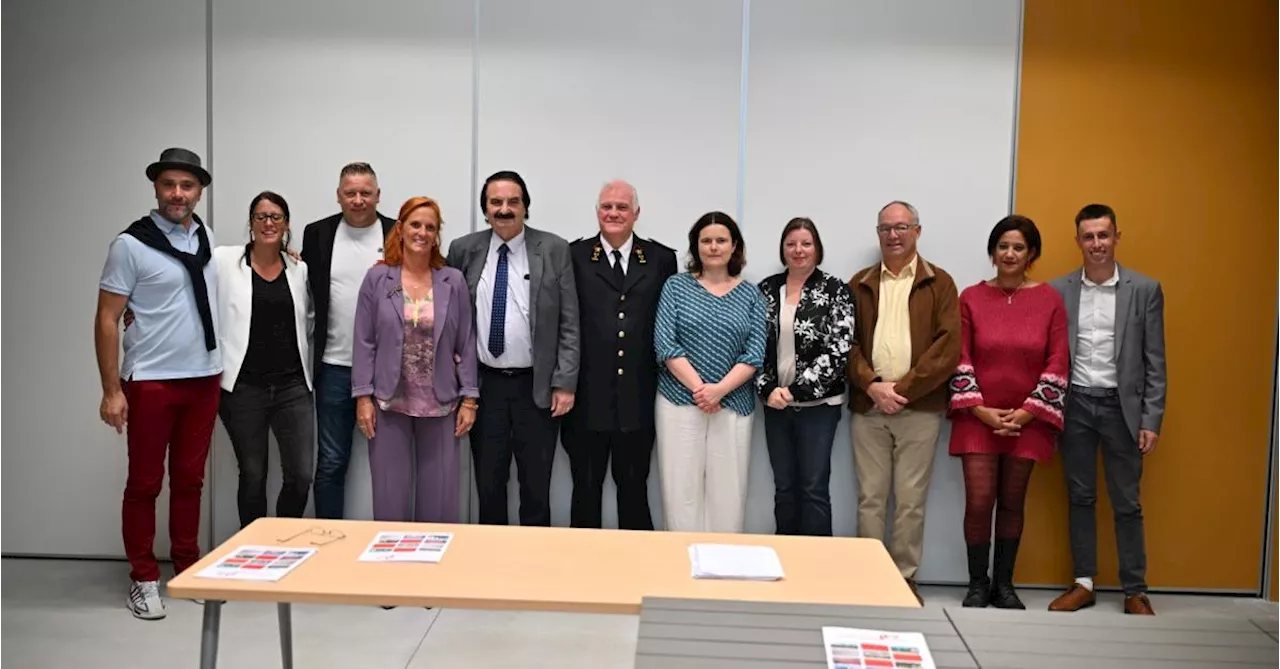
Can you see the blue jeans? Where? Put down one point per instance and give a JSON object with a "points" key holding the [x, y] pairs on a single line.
{"points": [[799, 441], [336, 425]]}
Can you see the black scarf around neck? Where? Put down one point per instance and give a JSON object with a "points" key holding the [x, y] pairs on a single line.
{"points": [[146, 231]]}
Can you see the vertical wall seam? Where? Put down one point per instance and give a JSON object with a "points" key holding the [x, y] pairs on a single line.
{"points": [[211, 534], [475, 114], [744, 76], [1017, 107]]}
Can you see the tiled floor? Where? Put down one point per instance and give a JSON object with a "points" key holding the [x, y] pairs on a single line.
{"points": [[70, 614]]}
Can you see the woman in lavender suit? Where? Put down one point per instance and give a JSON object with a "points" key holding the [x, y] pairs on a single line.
{"points": [[413, 371]]}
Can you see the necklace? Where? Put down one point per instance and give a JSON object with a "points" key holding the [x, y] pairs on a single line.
{"points": [[1008, 295]]}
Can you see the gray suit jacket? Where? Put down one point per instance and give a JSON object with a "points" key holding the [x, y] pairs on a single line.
{"points": [[1140, 366], [553, 304]]}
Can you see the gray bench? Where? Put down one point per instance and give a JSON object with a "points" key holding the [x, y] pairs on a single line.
{"points": [[699, 634], [1044, 640]]}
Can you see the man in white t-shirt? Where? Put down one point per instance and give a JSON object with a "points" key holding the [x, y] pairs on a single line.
{"points": [[339, 250]]}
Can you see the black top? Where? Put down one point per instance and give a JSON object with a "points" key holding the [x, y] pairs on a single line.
{"points": [[272, 356]]}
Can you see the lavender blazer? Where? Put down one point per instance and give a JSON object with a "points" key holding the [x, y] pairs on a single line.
{"points": [[379, 336]]}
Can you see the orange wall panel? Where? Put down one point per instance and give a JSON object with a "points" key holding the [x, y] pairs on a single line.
{"points": [[1167, 112]]}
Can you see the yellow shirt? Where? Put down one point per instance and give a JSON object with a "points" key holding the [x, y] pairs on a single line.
{"points": [[891, 342]]}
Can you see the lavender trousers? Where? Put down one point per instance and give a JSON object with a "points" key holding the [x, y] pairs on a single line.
{"points": [[400, 440]]}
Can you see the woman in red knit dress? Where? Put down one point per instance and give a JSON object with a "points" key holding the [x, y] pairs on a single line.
{"points": [[1007, 398]]}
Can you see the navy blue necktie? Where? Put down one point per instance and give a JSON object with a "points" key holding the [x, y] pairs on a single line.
{"points": [[498, 315]]}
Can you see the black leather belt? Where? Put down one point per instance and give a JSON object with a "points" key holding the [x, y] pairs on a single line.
{"points": [[506, 371], [1095, 392]]}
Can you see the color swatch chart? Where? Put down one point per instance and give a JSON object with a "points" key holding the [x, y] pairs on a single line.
{"points": [[407, 547], [257, 563], [849, 648]]}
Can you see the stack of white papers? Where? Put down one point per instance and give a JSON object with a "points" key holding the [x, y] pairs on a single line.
{"points": [[747, 563], [849, 648]]}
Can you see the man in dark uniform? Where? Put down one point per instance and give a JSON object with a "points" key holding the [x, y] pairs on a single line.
{"points": [[619, 278]]}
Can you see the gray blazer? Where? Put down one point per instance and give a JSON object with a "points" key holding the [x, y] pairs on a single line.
{"points": [[1140, 366], [553, 304]]}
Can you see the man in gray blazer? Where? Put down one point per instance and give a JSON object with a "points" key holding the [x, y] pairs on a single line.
{"points": [[526, 315], [1116, 328]]}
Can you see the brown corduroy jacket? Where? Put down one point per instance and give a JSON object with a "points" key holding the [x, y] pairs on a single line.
{"points": [[935, 337]]}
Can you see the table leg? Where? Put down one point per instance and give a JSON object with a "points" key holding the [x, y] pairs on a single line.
{"points": [[286, 635], [209, 634]]}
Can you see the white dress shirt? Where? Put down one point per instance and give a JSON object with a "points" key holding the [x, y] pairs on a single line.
{"points": [[625, 250], [1095, 360], [355, 250], [517, 350]]}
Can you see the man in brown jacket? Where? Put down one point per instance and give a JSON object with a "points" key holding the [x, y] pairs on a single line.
{"points": [[908, 328]]}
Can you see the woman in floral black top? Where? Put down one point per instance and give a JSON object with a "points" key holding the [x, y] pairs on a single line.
{"points": [[810, 333]]}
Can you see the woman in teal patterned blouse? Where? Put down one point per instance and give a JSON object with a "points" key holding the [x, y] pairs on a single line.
{"points": [[709, 338]]}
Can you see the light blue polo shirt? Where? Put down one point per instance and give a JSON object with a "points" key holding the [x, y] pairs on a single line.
{"points": [[166, 339]]}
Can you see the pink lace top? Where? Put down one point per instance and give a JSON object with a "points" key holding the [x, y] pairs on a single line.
{"points": [[415, 395]]}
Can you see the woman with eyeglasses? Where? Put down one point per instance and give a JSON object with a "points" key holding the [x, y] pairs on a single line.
{"points": [[264, 332]]}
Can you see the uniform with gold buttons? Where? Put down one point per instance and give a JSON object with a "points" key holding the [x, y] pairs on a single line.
{"points": [[617, 380]]}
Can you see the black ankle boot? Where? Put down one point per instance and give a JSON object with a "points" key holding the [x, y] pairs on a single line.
{"points": [[979, 594], [1003, 596]]}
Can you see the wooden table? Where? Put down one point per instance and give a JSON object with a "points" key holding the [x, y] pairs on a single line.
{"points": [[534, 569]]}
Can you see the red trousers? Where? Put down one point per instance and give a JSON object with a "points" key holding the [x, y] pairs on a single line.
{"points": [[171, 418]]}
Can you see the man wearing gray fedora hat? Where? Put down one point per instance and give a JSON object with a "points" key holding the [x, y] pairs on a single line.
{"points": [[165, 391]]}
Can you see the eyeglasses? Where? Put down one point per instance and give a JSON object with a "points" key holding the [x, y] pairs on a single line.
{"points": [[263, 218], [901, 229], [328, 536]]}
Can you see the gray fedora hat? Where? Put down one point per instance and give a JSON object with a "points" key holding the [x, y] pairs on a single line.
{"points": [[179, 159]]}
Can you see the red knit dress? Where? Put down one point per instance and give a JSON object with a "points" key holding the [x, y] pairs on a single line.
{"points": [[1013, 355]]}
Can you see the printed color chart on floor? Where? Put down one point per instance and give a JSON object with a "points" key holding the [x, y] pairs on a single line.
{"points": [[257, 563], [407, 547], [871, 649]]}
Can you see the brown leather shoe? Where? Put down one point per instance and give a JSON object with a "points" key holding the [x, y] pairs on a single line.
{"points": [[1078, 597], [1138, 605], [911, 583]]}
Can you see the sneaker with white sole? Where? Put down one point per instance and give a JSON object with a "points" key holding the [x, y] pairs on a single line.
{"points": [[144, 600]]}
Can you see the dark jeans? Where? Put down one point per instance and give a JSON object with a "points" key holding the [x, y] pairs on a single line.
{"points": [[336, 420], [799, 441], [1091, 421], [286, 410], [509, 423]]}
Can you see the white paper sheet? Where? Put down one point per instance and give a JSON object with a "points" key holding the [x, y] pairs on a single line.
{"points": [[257, 563], [723, 561], [407, 547], [849, 648]]}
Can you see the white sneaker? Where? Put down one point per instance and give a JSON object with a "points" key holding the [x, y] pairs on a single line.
{"points": [[144, 600]]}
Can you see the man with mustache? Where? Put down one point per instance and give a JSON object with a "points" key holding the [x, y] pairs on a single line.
{"points": [[908, 333], [1115, 325], [339, 250], [522, 285], [166, 390]]}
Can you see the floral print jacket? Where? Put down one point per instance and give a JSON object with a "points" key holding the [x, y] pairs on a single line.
{"points": [[824, 333]]}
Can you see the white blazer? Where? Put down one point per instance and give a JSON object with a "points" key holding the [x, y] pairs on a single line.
{"points": [[235, 310]]}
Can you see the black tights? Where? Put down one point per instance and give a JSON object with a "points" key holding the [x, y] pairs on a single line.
{"points": [[996, 482]]}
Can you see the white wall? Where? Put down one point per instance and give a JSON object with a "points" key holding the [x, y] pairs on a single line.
{"points": [[94, 92], [848, 105]]}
